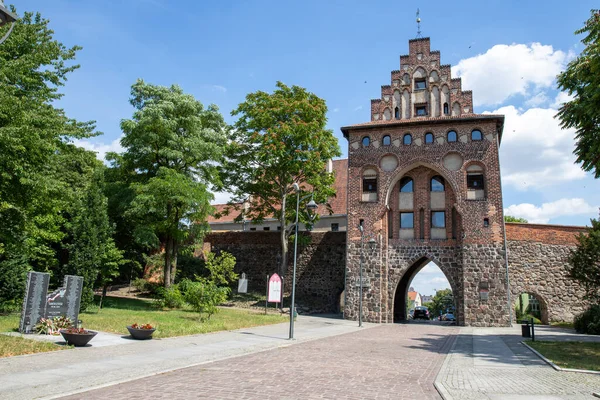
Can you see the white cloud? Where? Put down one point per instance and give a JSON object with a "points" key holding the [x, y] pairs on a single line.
{"points": [[535, 152], [100, 148], [561, 98], [358, 108], [543, 214], [221, 198], [336, 110], [537, 100], [219, 88], [506, 70]]}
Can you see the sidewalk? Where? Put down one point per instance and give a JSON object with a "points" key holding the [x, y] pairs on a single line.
{"points": [[56, 374], [491, 363]]}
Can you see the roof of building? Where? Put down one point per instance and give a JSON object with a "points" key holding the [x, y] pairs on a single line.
{"points": [[422, 121], [412, 296], [338, 203]]}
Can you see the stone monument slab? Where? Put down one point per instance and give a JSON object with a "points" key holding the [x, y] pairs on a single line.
{"points": [[34, 303]]}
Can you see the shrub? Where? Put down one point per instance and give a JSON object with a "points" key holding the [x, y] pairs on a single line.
{"points": [[204, 296], [144, 286], [170, 297], [588, 321]]}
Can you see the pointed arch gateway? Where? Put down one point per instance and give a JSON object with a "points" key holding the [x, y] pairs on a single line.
{"points": [[401, 285]]}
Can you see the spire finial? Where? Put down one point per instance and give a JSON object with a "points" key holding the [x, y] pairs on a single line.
{"points": [[418, 25]]}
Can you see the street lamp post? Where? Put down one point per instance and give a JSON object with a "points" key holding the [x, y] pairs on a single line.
{"points": [[6, 17], [311, 206]]}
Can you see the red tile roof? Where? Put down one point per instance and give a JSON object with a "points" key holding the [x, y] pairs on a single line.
{"points": [[338, 203]]}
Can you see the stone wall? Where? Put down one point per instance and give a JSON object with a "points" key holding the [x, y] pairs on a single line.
{"points": [[537, 256], [319, 271]]}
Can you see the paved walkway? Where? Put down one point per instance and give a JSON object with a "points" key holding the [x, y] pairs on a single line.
{"points": [[491, 363], [49, 375], [384, 362]]}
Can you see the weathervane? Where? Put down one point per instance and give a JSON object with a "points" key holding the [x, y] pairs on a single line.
{"points": [[418, 25]]}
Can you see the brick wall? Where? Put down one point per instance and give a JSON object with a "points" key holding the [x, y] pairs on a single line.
{"points": [[548, 234]]}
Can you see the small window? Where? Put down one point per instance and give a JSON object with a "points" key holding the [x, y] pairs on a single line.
{"points": [[369, 185], [438, 219], [437, 184], [407, 139], [475, 181], [386, 140], [446, 109], [335, 227], [407, 220], [390, 221], [476, 135], [252, 229], [397, 113], [279, 228], [429, 138], [420, 84], [406, 185], [266, 228], [421, 111], [366, 141], [452, 136], [486, 222]]}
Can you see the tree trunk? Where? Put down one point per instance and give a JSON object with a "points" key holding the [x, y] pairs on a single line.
{"points": [[167, 271], [104, 289], [174, 261]]}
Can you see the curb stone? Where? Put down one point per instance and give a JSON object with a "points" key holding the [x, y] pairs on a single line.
{"points": [[439, 386], [556, 367]]}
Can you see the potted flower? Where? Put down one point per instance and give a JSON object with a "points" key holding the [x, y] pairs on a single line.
{"points": [[78, 337], [141, 332]]}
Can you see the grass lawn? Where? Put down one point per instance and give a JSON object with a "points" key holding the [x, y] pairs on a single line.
{"points": [[120, 312], [575, 355], [16, 346]]}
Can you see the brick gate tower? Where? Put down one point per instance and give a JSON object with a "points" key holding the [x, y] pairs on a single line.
{"points": [[424, 183]]}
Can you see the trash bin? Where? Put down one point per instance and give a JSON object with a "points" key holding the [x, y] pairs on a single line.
{"points": [[525, 331]]}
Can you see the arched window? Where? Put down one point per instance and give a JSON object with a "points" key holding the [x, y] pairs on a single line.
{"points": [[429, 137], [386, 141], [366, 141], [437, 184], [476, 135], [397, 113], [407, 140], [451, 136], [446, 109], [406, 185], [475, 183]]}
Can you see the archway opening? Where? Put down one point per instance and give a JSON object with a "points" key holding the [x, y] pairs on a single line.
{"points": [[529, 305], [424, 293]]}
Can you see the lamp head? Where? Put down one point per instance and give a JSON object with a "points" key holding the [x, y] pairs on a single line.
{"points": [[296, 187], [312, 206], [372, 243]]}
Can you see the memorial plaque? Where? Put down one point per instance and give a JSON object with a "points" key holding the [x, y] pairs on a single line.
{"points": [[34, 303], [243, 284], [65, 300]]}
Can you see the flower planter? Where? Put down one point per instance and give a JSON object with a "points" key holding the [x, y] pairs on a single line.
{"points": [[141, 334], [78, 339]]}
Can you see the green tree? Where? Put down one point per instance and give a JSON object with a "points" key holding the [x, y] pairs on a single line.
{"points": [[442, 300], [510, 218], [584, 262], [171, 146], [581, 80], [92, 252], [34, 136], [279, 140]]}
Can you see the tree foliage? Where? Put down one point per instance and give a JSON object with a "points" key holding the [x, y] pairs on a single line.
{"points": [[510, 218], [40, 171], [584, 262], [171, 146], [442, 301], [279, 140], [581, 80]]}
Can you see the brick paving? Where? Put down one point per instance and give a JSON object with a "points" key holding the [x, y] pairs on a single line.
{"points": [[384, 362], [473, 372]]}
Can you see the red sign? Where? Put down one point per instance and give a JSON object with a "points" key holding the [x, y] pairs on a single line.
{"points": [[274, 289]]}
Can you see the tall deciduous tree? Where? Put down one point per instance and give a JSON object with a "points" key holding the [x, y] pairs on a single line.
{"points": [[34, 136], [279, 140], [581, 80], [584, 262], [510, 218], [172, 145]]}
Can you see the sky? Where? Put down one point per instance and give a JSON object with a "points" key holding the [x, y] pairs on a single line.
{"points": [[507, 52]]}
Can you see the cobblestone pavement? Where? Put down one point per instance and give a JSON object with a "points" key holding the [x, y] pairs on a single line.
{"points": [[493, 364], [384, 362]]}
